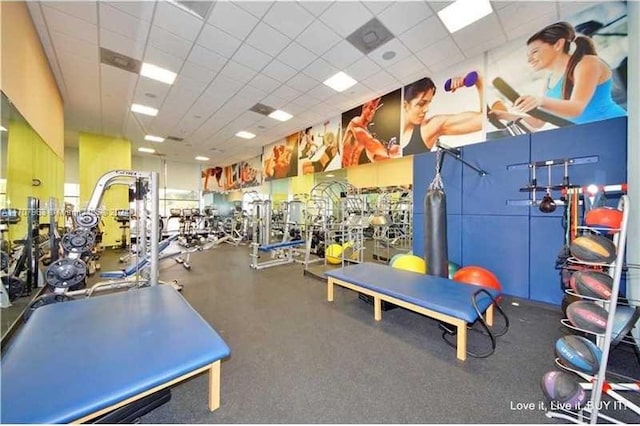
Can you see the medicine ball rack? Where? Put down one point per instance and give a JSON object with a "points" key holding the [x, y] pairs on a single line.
{"points": [[598, 383]]}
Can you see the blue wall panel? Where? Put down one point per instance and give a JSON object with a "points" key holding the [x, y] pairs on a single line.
{"points": [[489, 194], [424, 170], [546, 239], [606, 140], [499, 244]]}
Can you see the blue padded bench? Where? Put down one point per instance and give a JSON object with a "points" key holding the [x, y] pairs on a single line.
{"points": [[90, 356], [125, 273], [277, 246], [436, 297], [282, 253]]}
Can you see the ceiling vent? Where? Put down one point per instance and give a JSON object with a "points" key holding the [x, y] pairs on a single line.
{"points": [[118, 60], [262, 109], [174, 138], [370, 36]]}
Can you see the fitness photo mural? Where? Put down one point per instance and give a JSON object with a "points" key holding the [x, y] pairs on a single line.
{"points": [[566, 73], [318, 147], [212, 179], [371, 131], [280, 159], [251, 172], [445, 109]]}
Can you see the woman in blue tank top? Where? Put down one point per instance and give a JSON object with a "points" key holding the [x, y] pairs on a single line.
{"points": [[579, 84]]}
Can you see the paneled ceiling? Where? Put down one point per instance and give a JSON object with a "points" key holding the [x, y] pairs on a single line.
{"points": [[241, 53]]}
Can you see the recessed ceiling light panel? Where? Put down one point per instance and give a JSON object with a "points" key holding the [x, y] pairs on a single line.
{"points": [[154, 72], [201, 158], [147, 150], [142, 109], [280, 115], [340, 82], [245, 135], [152, 138], [462, 13]]}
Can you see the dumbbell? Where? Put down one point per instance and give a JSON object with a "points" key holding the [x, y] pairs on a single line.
{"points": [[469, 80]]}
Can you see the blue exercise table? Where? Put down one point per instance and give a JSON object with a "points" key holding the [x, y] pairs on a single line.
{"points": [[77, 360], [436, 297]]}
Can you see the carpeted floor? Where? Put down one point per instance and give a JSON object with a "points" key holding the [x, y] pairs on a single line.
{"points": [[297, 358]]}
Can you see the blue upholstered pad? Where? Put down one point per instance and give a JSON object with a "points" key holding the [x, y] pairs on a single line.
{"points": [[129, 271], [275, 246], [72, 359], [435, 293]]}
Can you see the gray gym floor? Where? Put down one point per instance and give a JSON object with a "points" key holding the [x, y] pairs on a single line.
{"points": [[297, 358]]}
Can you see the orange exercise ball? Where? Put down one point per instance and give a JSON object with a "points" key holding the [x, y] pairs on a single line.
{"points": [[478, 276]]}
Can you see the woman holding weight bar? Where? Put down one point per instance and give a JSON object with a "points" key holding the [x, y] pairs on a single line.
{"points": [[419, 131]]}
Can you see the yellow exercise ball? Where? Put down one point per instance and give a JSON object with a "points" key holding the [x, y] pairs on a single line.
{"points": [[333, 254], [349, 251], [409, 262]]}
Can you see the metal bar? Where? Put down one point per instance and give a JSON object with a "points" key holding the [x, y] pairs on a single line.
{"points": [[457, 154], [155, 216]]}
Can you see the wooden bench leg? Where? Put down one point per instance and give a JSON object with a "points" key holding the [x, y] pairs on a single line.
{"points": [[461, 346], [330, 290], [488, 317], [377, 308], [214, 386]]}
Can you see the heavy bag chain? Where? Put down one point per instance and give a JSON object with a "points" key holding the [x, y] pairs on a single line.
{"points": [[436, 183]]}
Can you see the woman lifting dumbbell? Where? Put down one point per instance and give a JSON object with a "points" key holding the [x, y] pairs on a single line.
{"points": [[420, 131]]}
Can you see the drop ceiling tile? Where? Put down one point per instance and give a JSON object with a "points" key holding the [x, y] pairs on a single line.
{"points": [[407, 67], [403, 15], [482, 32], [237, 72], [169, 42], [119, 84], [87, 11], [529, 28], [345, 17], [159, 58], [302, 82], [119, 22], [425, 33], [320, 69], [151, 89], [286, 93], [321, 92], [178, 21], [236, 21], [521, 13], [342, 55], [394, 45], [315, 7], [440, 51], [67, 24], [121, 44], [268, 40], [363, 68], [256, 8], [142, 10], [251, 57], [288, 18], [66, 43], [195, 72], [278, 71], [254, 93], [381, 82], [296, 56], [318, 38], [218, 41], [206, 58], [264, 83]]}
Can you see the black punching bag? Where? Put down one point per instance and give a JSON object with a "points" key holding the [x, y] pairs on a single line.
{"points": [[435, 227]]}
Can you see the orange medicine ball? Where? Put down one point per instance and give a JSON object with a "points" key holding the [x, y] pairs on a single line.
{"points": [[604, 217]]}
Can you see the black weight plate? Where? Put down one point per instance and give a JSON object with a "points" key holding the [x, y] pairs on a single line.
{"points": [[78, 241], [64, 273]]}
